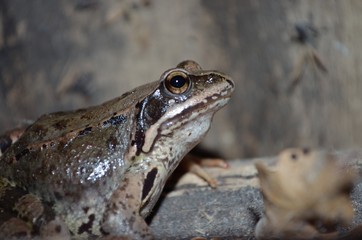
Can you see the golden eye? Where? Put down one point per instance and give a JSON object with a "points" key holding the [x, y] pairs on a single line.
{"points": [[177, 82]]}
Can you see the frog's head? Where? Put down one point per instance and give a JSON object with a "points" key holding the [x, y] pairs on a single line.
{"points": [[177, 114], [171, 120]]}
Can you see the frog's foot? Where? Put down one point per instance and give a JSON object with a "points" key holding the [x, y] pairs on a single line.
{"points": [[194, 164]]}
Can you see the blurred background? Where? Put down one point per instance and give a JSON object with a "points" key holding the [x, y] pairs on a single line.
{"points": [[296, 64]]}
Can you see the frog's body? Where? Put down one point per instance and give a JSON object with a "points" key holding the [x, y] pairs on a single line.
{"points": [[100, 170]]}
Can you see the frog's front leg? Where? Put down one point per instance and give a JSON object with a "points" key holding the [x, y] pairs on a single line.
{"points": [[195, 164], [122, 216]]}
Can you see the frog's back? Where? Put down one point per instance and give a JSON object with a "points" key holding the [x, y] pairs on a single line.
{"points": [[55, 125], [63, 152], [86, 160], [66, 165]]}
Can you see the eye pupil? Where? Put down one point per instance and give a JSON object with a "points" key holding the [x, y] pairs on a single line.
{"points": [[178, 81]]}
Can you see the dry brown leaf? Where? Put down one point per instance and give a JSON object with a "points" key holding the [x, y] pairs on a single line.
{"points": [[305, 193]]}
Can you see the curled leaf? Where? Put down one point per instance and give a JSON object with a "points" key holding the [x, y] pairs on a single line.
{"points": [[305, 193]]}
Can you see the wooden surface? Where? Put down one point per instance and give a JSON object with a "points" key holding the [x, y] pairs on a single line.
{"points": [[192, 209]]}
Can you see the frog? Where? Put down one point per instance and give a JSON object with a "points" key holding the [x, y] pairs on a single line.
{"points": [[97, 172]]}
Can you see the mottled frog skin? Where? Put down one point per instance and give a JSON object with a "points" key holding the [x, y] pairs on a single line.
{"points": [[97, 172]]}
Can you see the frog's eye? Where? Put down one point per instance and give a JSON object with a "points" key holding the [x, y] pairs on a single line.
{"points": [[177, 82]]}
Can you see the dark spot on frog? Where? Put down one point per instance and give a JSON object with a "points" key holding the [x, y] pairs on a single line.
{"points": [[126, 94], [120, 204], [87, 227], [85, 209], [86, 117], [124, 185], [58, 195], [85, 131], [131, 220], [115, 120], [115, 206], [39, 129], [112, 142], [148, 182], [22, 154], [104, 183], [139, 141], [103, 232], [58, 228], [62, 124], [129, 196], [61, 145]]}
